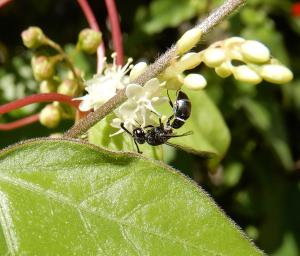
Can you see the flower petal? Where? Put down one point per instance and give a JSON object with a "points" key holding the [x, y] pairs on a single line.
{"points": [[152, 87], [134, 91]]}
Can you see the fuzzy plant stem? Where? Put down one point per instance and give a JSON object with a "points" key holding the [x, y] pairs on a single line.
{"points": [[91, 19], [152, 71]]}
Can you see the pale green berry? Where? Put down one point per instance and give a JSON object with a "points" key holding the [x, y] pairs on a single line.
{"points": [[277, 74], [195, 81], [68, 87], [50, 116], [188, 40], [48, 86], [137, 70], [245, 74], [33, 37], [223, 70], [42, 67], [255, 51], [89, 40], [214, 57]]}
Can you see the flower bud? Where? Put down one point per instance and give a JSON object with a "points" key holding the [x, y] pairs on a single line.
{"points": [[223, 70], [189, 60], [195, 81], [235, 40], [137, 70], [33, 37], [245, 74], [43, 67], [173, 83], [68, 87], [89, 40], [50, 116], [48, 86], [255, 51], [188, 40], [277, 74], [213, 57]]}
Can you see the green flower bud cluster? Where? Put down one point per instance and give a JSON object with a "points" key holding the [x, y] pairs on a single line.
{"points": [[44, 70]]}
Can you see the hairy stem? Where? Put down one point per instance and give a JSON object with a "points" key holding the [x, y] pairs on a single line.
{"points": [[115, 29], [88, 13], [152, 71]]}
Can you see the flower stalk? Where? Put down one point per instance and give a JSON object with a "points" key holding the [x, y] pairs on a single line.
{"points": [[152, 71], [115, 29]]}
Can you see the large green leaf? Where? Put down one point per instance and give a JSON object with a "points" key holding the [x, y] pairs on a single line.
{"points": [[69, 198]]}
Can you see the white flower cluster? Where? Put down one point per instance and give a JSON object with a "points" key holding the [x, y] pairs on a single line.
{"points": [[104, 86], [139, 109]]}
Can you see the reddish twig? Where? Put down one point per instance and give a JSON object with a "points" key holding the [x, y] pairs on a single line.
{"points": [[4, 2], [88, 13], [115, 29], [42, 97], [19, 123]]}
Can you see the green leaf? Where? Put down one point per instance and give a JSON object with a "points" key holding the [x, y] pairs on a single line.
{"points": [[68, 198], [165, 13], [266, 115], [210, 132]]}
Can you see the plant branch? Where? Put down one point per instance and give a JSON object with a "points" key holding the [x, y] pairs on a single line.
{"points": [[115, 29], [88, 13], [19, 123], [152, 71], [42, 97]]}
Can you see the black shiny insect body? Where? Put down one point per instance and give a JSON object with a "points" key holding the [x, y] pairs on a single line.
{"points": [[158, 135], [181, 110]]}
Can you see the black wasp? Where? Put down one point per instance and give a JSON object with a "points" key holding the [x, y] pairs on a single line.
{"points": [[158, 135]]}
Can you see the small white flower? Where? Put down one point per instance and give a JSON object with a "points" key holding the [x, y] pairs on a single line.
{"points": [[104, 86], [139, 109]]}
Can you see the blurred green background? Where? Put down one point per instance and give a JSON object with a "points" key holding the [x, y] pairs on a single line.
{"points": [[258, 182]]}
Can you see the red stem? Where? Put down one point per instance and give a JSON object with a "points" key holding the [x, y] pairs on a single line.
{"points": [[88, 13], [42, 97], [4, 2], [115, 29], [19, 123]]}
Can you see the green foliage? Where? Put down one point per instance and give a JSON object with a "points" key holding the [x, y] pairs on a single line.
{"points": [[68, 197]]}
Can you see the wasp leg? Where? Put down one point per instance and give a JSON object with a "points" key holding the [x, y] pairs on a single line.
{"points": [[148, 126], [137, 147], [123, 127], [170, 101], [180, 135]]}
